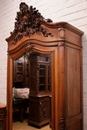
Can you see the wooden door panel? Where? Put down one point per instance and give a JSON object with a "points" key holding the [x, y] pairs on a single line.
{"points": [[75, 126], [73, 82], [73, 88]]}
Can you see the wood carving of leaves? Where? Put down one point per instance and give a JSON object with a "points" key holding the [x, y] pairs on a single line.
{"points": [[28, 22]]}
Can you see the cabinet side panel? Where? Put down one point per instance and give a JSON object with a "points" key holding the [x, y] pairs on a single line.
{"points": [[73, 82]]}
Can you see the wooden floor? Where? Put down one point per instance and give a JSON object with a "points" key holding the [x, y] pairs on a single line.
{"points": [[24, 126]]}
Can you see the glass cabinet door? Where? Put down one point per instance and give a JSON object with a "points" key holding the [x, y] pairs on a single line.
{"points": [[42, 77]]}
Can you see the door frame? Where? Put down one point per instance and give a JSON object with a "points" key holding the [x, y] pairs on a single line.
{"points": [[45, 49]]}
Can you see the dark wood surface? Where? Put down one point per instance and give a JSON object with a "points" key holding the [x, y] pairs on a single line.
{"points": [[40, 87], [3, 113], [40, 74], [39, 110], [21, 105], [65, 47], [21, 72]]}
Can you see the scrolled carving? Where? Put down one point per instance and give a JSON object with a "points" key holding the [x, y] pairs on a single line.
{"points": [[28, 47], [62, 124], [28, 22]]}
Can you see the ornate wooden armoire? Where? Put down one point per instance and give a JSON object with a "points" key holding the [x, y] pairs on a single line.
{"points": [[34, 33]]}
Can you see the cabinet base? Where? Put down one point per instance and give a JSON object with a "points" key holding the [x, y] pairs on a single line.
{"points": [[38, 124]]}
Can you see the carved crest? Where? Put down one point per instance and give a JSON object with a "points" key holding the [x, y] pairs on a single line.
{"points": [[62, 124], [28, 22]]}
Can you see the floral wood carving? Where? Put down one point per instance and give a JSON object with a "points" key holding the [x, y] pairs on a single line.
{"points": [[28, 22], [62, 124]]}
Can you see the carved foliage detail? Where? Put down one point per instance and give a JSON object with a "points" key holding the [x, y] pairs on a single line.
{"points": [[28, 22], [29, 47], [62, 124]]}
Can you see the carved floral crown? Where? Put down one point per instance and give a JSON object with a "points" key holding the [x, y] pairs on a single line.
{"points": [[28, 22]]}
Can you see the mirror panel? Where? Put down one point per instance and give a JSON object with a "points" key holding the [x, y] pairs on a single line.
{"points": [[32, 96]]}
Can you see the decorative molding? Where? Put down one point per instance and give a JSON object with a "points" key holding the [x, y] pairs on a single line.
{"points": [[61, 44], [62, 124], [28, 22], [61, 33]]}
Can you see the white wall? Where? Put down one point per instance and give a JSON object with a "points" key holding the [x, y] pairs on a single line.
{"points": [[72, 11]]}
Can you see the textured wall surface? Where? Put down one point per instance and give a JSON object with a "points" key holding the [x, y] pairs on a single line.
{"points": [[72, 11]]}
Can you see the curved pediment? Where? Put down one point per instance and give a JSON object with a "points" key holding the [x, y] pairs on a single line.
{"points": [[28, 22], [30, 25]]}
